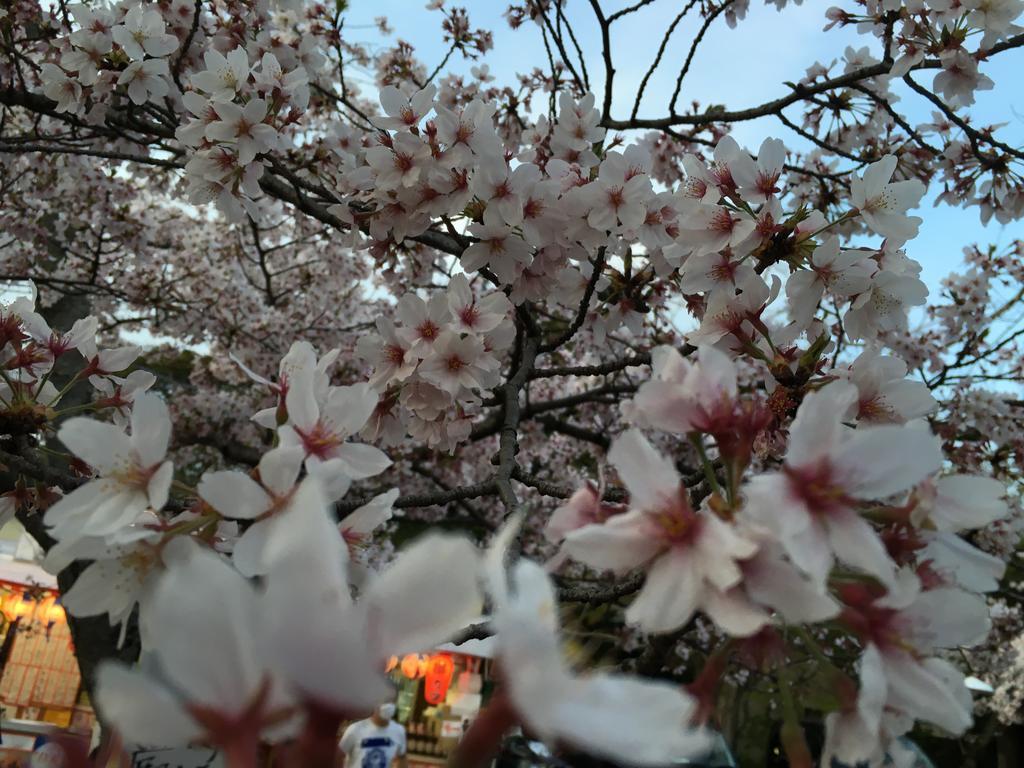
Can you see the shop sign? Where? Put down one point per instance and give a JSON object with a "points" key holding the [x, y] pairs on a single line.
{"points": [[451, 729]]}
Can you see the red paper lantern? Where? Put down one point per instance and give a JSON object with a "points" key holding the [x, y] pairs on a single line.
{"points": [[440, 669]]}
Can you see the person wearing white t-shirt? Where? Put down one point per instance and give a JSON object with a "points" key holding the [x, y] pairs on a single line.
{"points": [[376, 742]]}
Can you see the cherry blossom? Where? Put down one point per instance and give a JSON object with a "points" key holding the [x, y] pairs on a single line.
{"points": [[758, 180], [141, 33], [223, 75], [244, 128], [513, 272], [267, 503], [609, 715], [883, 203], [811, 503], [499, 248], [134, 475], [884, 394], [841, 273], [475, 316], [321, 427], [402, 111], [690, 555], [146, 80], [228, 698], [428, 593], [455, 363], [898, 628], [125, 566], [617, 197], [66, 91], [885, 304]]}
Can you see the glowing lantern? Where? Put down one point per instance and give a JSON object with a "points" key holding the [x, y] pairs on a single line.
{"points": [[7, 605], [42, 612], [440, 669], [23, 607], [55, 613], [414, 666]]}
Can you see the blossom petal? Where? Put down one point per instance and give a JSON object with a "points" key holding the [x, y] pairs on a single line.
{"points": [[733, 612], [669, 595], [159, 486], [219, 618], [880, 461], [817, 425], [151, 428], [621, 543], [279, 468], [105, 447], [648, 475], [968, 566], [631, 721], [142, 710], [361, 461], [855, 543], [234, 494], [371, 515], [349, 408], [773, 582], [427, 594], [932, 691]]}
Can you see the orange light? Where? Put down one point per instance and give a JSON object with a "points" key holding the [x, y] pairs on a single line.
{"points": [[413, 666], [55, 613], [7, 605], [23, 607]]}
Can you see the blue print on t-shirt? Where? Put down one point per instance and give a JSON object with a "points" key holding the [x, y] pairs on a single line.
{"points": [[374, 751]]}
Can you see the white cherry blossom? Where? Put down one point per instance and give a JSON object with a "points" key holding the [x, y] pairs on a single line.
{"points": [[66, 91], [133, 473], [322, 426], [224, 75], [810, 504], [141, 33], [146, 80], [244, 127], [842, 273], [405, 111], [883, 204], [223, 694], [690, 556], [612, 716]]}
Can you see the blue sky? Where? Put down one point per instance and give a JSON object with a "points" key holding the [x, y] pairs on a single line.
{"points": [[738, 67]]}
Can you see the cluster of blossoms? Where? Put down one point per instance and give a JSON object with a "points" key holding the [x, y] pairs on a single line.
{"points": [[807, 476], [238, 112], [239, 105], [857, 525], [432, 366], [260, 680], [957, 37], [132, 34], [30, 400], [534, 222]]}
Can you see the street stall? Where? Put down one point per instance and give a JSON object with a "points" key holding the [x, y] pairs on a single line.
{"points": [[439, 695], [40, 684]]}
